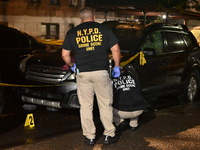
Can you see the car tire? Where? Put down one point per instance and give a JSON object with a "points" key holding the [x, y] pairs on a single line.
{"points": [[191, 87]]}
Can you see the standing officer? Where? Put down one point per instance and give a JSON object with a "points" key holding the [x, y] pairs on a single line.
{"points": [[90, 43]]}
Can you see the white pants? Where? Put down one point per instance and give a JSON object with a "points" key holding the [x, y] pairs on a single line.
{"points": [[99, 83], [119, 116]]}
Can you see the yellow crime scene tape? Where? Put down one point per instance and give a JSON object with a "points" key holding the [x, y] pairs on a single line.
{"points": [[51, 42], [20, 85]]}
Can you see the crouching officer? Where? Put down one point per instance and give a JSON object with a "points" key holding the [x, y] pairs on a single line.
{"points": [[128, 102]]}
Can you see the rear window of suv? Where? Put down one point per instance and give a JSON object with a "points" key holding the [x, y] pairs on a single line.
{"points": [[174, 42], [190, 43]]}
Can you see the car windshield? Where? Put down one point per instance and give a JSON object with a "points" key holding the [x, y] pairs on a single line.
{"points": [[129, 35]]}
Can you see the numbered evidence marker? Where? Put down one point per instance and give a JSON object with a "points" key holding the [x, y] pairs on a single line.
{"points": [[29, 121]]}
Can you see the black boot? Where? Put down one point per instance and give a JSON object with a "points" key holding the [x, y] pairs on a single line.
{"points": [[110, 140]]}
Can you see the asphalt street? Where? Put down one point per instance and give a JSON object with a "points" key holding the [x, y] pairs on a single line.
{"points": [[175, 128]]}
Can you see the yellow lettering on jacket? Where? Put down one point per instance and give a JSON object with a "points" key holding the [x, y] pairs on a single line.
{"points": [[89, 38], [79, 33]]}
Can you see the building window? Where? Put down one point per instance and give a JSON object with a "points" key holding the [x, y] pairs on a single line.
{"points": [[34, 1], [50, 30], [55, 2], [73, 3]]}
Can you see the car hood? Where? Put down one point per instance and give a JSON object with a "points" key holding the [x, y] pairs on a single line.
{"points": [[50, 58], [54, 59]]}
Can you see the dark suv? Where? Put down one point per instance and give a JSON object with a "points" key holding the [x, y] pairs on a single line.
{"points": [[14, 46], [172, 65]]}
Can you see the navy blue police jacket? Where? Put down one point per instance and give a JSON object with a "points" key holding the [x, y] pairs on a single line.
{"points": [[127, 95]]}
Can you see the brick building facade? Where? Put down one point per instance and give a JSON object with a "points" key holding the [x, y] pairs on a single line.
{"points": [[41, 18], [46, 19]]}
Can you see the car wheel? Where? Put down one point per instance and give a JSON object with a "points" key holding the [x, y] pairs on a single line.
{"points": [[193, 86]]}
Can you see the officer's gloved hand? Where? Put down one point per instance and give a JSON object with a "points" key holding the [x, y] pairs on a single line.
{"points": [[116, 72], [73, 68]]}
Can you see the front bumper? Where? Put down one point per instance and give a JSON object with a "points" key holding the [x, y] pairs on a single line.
{"points": [[72, 102], [59, 97]]}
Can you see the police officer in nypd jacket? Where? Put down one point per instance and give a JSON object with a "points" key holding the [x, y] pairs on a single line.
{"points": [[90, 43]]}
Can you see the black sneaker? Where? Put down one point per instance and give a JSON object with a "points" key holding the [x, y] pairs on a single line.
{"points": [[89, 141], [110, 140], [123, 126]]}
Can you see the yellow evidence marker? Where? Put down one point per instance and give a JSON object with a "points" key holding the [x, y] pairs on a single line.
{"points": [[29, 121]]}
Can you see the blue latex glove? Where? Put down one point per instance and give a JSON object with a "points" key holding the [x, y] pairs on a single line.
{"points": [[116, 72], [73, 68]]}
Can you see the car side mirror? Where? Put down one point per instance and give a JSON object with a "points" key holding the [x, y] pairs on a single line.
{"points": [[149, 51]]}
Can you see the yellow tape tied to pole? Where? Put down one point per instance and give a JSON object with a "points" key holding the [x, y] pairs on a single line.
{"points": [[142, 59]]}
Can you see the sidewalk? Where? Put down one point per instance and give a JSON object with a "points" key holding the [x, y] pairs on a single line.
{"points": [[176, 128]]}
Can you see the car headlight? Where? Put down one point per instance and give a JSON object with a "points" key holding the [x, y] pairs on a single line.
{"points": [[72, 77], [68, 76], [22, 64]]}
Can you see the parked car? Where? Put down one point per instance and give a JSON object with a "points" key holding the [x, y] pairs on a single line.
{"points": [[14, 46], [172, 65]]}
